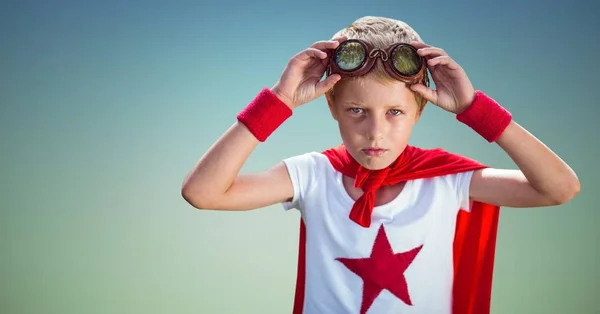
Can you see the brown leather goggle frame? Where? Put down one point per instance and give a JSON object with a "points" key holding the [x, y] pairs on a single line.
{"points": [[371, 58]]}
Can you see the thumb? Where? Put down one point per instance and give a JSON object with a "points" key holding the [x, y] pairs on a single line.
{"points": [[425, 92], [326, 84]]}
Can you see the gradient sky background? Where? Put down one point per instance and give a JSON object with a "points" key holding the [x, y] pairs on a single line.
{"points": [[106, 105]]}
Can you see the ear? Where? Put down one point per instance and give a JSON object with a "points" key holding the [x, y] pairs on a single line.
{"points": [[418, 116], [420, 112], [329, 99]]}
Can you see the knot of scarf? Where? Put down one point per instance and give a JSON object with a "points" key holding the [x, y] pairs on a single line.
{"points": [[369, 181]]}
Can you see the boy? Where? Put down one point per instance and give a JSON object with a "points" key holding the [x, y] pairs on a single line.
{"points": [[385, 227]]}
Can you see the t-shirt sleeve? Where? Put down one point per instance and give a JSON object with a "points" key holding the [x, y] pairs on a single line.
{"points": [[463, 183], [301, 169]]}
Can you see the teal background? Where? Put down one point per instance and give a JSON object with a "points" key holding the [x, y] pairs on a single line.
{"points": [[105, 106]]}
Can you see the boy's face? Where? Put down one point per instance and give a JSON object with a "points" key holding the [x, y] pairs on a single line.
{"points": [[375, 119]]}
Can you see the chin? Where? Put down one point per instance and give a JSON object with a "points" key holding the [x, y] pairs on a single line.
{"points": [[374, 163]]}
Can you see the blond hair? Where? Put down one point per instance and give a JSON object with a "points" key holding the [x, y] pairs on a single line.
{"points": [[380, 32]]}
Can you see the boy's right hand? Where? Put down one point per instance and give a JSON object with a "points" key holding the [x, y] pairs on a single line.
{"points": [[301, 79]]}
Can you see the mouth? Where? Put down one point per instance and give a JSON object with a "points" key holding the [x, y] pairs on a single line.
{"points": [[374, 151]]}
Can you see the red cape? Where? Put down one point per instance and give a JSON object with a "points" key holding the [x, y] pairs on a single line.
{"points": [[475, 237]]}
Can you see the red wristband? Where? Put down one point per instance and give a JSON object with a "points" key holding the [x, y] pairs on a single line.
{"points": [[486, 117], [264, 114]]}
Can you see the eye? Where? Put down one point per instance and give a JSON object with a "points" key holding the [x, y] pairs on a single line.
{"points": [[395, 112], [356, 110]]}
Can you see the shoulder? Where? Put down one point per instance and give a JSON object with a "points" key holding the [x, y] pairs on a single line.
{"points": [[452, 188], [455, 181], [306, 162], [306, 172], [308, 167]]}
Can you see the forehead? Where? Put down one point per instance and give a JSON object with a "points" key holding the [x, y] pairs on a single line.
{"points": [[369, 91]]}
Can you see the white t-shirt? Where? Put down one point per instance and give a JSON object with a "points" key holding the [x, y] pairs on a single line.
{"points": [[422, 218]]}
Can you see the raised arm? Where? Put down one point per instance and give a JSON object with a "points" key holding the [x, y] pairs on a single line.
{"points": [[543, 178], [215, 181]]}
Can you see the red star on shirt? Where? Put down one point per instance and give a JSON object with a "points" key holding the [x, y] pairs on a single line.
{"points": [[384, 269]]}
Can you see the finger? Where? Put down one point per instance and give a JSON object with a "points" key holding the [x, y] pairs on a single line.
{"points": [[325, 44], [431, 52], [418, 44], [325, 62], [308, 53], [427, 93], [443, 60], [340, 39], [326, 84]]}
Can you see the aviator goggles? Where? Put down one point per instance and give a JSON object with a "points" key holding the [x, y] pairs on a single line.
{"points": [[355, 57]]}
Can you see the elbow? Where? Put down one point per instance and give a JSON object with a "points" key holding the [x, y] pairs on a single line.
{"points": [[567, 193], [188, 196], [195, 198]]}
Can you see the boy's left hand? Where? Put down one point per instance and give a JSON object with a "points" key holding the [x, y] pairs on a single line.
{"points": [[454, 91]]}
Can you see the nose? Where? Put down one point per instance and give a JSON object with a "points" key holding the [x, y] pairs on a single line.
{"points": [[376, 127]]}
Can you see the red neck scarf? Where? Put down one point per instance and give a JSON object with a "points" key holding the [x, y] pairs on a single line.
{"points": [[413, 163], [475, 237]]}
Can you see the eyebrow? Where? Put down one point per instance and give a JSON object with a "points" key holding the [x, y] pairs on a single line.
{"points": [[353, 103]]}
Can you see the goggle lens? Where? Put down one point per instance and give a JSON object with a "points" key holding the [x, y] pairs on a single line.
{"points": [[406, 60], [350, 56]]}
